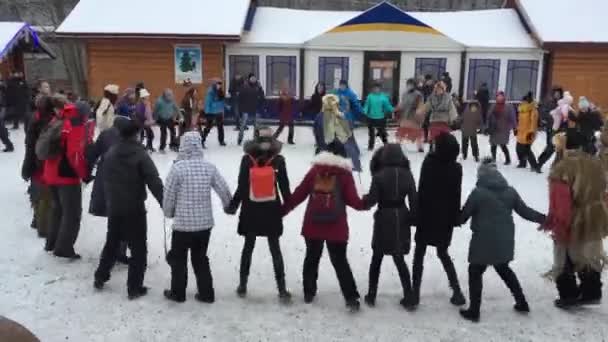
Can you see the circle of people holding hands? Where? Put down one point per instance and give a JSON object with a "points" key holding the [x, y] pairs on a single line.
{"points": [[61, 153]]}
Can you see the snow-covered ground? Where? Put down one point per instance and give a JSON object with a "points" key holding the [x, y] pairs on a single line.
{"points": [[56, 300]]}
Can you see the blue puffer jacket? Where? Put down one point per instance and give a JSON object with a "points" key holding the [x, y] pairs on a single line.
{"points": [[349, 103], [214, 101]]}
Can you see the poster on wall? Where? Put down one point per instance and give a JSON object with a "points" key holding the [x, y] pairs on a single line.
{"points": [[188, 64], [337, 77]]}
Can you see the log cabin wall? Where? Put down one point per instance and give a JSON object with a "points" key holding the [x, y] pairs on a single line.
{"points": [[128, 61]]}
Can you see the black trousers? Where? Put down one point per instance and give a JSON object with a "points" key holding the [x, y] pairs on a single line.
{"points": [[277, 260], [196, 243], [474, 146], [374, 273], [4, 136], [133, 229], [549, 149], [590, 283], [149, 134], [337, 255], [446, 261], [167, 126], [378, 125], [214, 120], [505, 151], [525, 155], [476, 284], [64, 219], [290, 133]]}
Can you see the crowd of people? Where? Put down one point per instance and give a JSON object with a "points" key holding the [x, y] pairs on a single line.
{"points": [[62, 152]]}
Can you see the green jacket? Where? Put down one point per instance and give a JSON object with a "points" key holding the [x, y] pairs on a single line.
{"points": [[377, 106]]}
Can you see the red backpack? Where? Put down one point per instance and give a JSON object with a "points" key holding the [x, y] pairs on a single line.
{"points": [[262, 181], [326, 203]]}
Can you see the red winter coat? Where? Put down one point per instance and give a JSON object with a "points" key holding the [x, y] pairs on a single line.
{"points": [[327, 163], [71, 167]]}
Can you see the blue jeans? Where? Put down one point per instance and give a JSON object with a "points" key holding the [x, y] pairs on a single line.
{"points": [[244, 125]]}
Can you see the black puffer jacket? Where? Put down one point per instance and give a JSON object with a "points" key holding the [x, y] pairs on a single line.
{"points": [[95, 156], [261, 218], [32, 166], [439, 194], [127, 170], [251, 98], [392, 182]]}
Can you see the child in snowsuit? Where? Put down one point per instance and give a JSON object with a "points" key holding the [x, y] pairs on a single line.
{"points": [[491, 206], [330, 186], [187, 199], [392, 182]]}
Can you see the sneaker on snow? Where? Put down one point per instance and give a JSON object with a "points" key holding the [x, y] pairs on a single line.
{"points": [[470, 315], [135, 294], [173, 297]]}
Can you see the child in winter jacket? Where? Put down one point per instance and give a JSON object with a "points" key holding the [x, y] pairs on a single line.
{"points": [[330, 186], [472, 121], [262, 187], [491, 206], [392, 182], [187, 199], [377, 106]]}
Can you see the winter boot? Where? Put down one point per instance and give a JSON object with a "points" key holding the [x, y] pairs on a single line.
{"points": [[591, 287], [98, 284], [470, 315], [309, 298], [521, 165], [172, 296], [284, 294], [566, 303], [458, 298], [241, 290], [137, 293], [522, 307], [353, 305], [370, 299], [9, 148], [210, 299]]}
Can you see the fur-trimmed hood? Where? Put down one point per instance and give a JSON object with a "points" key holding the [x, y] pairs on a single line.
{"points": [[256, 147], [326, 159]]}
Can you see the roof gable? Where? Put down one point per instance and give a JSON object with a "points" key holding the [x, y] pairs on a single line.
{"points": [[13, 34], [385, 17]]}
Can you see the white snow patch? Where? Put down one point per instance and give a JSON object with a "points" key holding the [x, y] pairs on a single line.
{"points": [[56, 300]]}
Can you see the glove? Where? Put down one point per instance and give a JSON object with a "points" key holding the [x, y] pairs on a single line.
{"points": [[230, 210]]}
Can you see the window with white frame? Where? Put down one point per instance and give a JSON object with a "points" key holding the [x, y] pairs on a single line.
{"points": [[243, 65], [332, 70], [522, 77], [483, 71], [281, 73], [430, 66]]}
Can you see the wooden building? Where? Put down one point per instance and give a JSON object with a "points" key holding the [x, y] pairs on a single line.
{"points": [[574, 36], [17, 39], [161, 44]]}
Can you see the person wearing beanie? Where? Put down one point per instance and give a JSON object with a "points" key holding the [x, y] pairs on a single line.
{"points": [[392, 183], [501, 121], [263, 186], [377, 108], [527, 126], [439, 196], [410, 122], [251, 101], [349, 102], [331, 188], [490, 207], [128, 170], [95, 160], [588, 121], [578, 223], [442, 111], [104, 111], [187, 200]]}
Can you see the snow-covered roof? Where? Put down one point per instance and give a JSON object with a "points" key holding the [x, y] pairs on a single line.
{"points": [[224, 18], [14, 33], [279, 26], [565, 21], [282, 26]]}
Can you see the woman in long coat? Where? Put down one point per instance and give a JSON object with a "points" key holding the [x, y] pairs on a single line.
{"points": [[501, 121], [439, 197], [261, 219], [392, 183]]}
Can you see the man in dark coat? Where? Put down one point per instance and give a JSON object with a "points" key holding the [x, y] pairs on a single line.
{"points": [[4, 138], [439, 193], [18, 98], [251, 98], [261, 219], [483, 96], [235, 88], [127, 170], [392, 182], [95, 156], [445, 78]]}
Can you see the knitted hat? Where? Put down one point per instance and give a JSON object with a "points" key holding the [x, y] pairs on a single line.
{"points": [[143, 93], [112, 89]]}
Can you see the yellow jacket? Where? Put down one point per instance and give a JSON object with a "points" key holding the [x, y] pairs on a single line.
{"points": [[527, 123]]}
